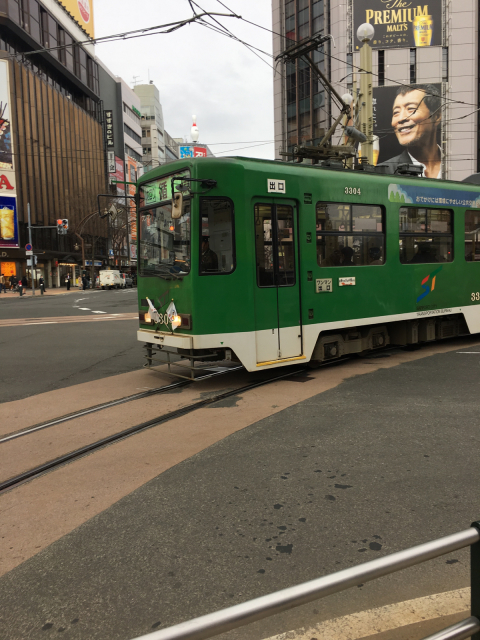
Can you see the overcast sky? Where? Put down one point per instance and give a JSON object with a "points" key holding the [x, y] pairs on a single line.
{"points": [[198, 71]]}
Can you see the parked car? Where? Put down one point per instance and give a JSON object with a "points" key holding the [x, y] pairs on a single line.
{"points": [[110, 279], [127, 279]]}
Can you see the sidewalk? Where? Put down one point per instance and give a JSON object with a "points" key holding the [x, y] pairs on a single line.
{"points": [[48, 292]]}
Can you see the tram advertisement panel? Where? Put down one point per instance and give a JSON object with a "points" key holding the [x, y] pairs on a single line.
{"points": [[399, 23], [403, 136]]}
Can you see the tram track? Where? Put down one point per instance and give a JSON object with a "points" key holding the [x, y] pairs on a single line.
{"points": [[113, 403], [36, 472]]}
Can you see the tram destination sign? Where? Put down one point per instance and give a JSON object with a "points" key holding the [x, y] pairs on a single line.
{"points": [[399, 23], [160, 190]]}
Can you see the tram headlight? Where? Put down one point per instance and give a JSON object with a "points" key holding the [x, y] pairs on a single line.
{"points": [[145, 317], [176, 322]]}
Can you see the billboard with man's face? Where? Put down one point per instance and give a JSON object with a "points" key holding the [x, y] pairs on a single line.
{"points": [[407, 122], [399, 23]]}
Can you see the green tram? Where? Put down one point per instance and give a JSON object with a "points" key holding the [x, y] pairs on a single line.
{"points": [[272, 263]]}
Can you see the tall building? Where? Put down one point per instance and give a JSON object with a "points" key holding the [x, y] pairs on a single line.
{"points": [[51, 135], [153, 135], [434, 43], [123, 144]]}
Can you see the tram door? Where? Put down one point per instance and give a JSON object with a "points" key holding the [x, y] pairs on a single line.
{"points": [[277, 290]]}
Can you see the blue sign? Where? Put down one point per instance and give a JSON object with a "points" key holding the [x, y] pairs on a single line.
{"points": [[8, 223], [186, 152], [28, 247], [419, 195], [110, 252]]}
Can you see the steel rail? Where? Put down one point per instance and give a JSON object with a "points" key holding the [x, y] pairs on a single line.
{"points": [[458, 631], [113, 403], [265, 606], [90, 448]]}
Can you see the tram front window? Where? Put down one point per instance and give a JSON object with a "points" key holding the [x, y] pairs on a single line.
{"points": [[164, 248]]}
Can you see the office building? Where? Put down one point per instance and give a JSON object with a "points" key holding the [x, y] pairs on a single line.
{"points": [[51, 135], [445, 56]]}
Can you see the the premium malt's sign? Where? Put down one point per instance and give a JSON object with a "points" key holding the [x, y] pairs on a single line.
{"points": [[400, 23]]}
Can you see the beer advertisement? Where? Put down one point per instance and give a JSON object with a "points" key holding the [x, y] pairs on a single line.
{"points": [[399, 23], [8, 206], [407, 125]]}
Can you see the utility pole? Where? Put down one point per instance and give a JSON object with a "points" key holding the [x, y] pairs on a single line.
{"points": [[365, 33], [32, 257]]}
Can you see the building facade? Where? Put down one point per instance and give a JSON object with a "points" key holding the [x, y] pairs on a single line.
{"points": [[447, 59], [52, 140]]}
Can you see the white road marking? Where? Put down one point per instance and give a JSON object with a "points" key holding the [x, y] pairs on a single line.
{"points": [[477, 352], [84, 309], [50, 322], [99, 312], [393, 616], [80, 299]]}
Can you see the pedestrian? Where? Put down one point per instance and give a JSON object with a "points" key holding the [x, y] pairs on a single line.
{"points": [[20, 287], [24, 282], [2, 283], [67, 280], [41, 282], [13, 283], [84, 283]]}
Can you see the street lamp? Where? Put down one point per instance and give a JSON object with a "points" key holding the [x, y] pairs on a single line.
{"points": [[365, 34]]}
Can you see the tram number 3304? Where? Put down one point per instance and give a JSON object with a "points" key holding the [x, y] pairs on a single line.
{"points": [[353, 191], [475, 296]]}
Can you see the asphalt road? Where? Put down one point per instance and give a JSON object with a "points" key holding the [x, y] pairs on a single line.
{"points": [[41, 358], [384, 461]]}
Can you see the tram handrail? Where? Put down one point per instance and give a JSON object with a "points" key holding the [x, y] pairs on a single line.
{"points": [[265, 606]]}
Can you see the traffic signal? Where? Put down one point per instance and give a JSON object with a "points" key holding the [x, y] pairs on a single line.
{"points": [[62, 226]]}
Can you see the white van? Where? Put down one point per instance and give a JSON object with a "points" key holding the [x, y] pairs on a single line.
{"points": [[110, 280]]}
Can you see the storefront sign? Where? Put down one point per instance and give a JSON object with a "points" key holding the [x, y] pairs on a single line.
{"points": [[111, 161], [399, 23], [109, 128]]}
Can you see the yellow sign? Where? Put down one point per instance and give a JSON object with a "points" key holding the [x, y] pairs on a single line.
{"points": [[7, 269], [82, 12]]}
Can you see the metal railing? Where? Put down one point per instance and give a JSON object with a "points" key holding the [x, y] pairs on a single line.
{"points": [[241, 614]]}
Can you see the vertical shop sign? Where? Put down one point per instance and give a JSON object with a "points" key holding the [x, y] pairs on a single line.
{"points": [[8, 200], [109, 128], [132, 214]]}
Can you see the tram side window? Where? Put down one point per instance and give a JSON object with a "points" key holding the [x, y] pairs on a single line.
{"points": [[426, 235], [217, 244], [349, 234], [472, 236]]}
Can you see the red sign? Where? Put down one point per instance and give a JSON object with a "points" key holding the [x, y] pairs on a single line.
{"points": [[119, 174], [199, 152], [4, 182]]}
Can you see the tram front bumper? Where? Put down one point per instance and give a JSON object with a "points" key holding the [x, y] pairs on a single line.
{"points": [[165, 339]]}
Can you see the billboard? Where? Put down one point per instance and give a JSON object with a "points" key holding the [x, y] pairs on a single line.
{"points": [[8, 200], [192, 152], [82, 12], [407, 122], [399, 23]]}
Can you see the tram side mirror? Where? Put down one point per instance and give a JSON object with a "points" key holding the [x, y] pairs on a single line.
{"points": [[177, 205]]}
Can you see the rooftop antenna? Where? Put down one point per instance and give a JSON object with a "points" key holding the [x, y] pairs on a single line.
{"points": [[135, 80]]}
